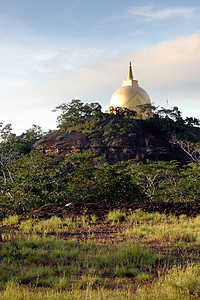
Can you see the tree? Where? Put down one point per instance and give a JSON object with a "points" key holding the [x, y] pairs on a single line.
{"points": [[158, 180], [13, 146], [147, 108], [5, 132], [103, 183], [190, 121], [75, 113], [122, 111], [191, 149], [190, 182], [37, 179]]}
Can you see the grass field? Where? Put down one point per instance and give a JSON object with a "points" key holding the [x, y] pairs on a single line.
{"points": [[132, 255]]}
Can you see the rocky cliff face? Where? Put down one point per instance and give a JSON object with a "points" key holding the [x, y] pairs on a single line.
{"points": [[145, 143]]}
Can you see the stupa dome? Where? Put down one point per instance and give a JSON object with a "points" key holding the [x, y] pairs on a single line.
{"points": [[131, 96]]}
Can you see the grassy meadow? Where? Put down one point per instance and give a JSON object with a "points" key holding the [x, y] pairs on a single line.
{"points": [[123, 255]]}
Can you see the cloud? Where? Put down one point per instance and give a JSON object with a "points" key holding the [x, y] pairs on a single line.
{"points": [[150, 13], [169, 70], [175, 61]]}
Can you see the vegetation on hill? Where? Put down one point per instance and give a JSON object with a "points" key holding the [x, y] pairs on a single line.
{"points": [[31, 179], [89, 118]]}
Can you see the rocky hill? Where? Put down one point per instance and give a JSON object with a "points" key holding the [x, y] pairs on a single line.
{"points": [[145, 142]]}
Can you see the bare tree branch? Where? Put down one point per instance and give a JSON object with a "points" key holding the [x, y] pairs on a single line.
{"points": [[192, 149]]}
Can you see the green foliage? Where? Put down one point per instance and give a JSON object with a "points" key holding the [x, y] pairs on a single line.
{"points": [[39, 178], [117, 124], [76, 113], [36, 179], [167, 181], [19, 144], [170, 122], [103, 183], [87, 118], [30, 180], [59, 138], [13, 146]]}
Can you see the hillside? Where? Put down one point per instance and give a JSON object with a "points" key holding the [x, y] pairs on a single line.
{"points": [[97, 157], [145, 141]]}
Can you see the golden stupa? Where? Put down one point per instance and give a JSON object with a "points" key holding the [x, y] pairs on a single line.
{"points": [[131, 96]]}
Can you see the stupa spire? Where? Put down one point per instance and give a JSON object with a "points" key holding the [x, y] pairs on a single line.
{"points": [[130, 81], [130, 73]]}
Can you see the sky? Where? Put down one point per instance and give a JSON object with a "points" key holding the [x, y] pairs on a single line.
{"points": [[53, 51]]}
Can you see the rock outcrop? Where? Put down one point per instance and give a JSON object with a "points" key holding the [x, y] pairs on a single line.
{"points": [[146, 142]]}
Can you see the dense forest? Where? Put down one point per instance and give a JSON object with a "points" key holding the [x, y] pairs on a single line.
{"points": [[30, 178]]}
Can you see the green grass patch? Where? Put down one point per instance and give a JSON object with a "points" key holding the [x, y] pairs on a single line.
{"points": [[10, 221], [52, 259], [155, 226], [116, 216], [179, 283]]}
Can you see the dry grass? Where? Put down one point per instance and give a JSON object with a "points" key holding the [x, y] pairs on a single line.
{"points": [[134, 254]]}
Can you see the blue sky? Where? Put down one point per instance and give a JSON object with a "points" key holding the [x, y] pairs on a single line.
{"points": [[52, 51]]}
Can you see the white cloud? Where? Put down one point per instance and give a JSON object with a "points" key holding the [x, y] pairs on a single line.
{"points": [[175, 61], [171, 70], [150, 13]]}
